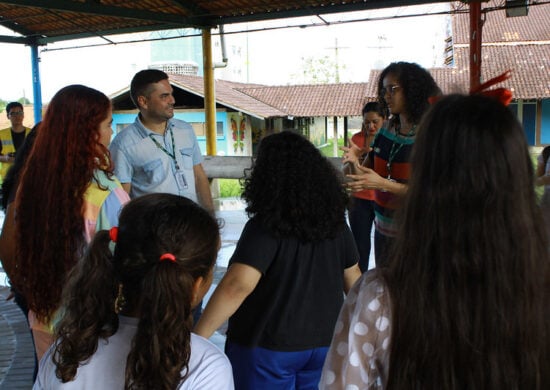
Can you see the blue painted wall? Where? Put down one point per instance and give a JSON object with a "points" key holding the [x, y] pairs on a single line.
{"points": [[545, 122], [529, 121], [120, 120]]}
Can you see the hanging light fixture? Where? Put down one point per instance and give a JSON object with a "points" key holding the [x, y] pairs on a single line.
{"points": [[516, 8]]}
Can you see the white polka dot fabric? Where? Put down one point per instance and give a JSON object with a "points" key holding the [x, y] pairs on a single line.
{"points": [[359, 353]]}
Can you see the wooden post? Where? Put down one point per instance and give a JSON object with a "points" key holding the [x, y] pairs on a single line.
{"points": [[335, 135], [475, 44], [209, 93]]}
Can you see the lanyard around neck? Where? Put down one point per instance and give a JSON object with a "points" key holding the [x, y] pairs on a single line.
{"points": [[171, 155], [394, 150]]}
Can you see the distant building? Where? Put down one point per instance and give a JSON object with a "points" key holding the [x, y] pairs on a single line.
{"points": [[188, 68], [246, 112]]}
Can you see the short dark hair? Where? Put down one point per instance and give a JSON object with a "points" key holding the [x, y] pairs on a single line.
{"points": [[12, 105], [374, 107], [142, 80]]}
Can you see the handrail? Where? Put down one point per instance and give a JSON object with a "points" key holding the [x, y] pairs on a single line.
{"points": [[232, 167]]}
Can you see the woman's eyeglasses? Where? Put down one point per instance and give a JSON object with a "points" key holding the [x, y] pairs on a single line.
{"points": [[391, 89]]}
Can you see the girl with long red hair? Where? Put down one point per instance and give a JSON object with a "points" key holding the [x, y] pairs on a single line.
{"points": [[66, 193]]}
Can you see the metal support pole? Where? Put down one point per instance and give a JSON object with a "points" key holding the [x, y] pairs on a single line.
{"points": [[475, 44], [209, 93], [36, 88]]}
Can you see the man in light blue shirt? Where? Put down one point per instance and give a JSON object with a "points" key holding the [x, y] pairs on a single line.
{"points": [[158, 153]]}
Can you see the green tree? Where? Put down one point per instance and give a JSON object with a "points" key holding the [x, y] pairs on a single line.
{"points": [[318, 70], [4, 103]]}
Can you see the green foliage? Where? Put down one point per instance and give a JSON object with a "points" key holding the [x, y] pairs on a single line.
{"points": [[229, 188], [538, 189], [326, 150], [3, 103]]}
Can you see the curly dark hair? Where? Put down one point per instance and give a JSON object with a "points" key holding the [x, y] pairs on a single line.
{"points": [[50, 196], [469, 274], [294, 190], [417, 84], [159, 292]]}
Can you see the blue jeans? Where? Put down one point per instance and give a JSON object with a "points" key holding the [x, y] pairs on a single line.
{"points": [[361, 218], [260, 368]]}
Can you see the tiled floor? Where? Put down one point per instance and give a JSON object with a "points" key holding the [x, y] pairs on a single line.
{"points": [[16, 347]]}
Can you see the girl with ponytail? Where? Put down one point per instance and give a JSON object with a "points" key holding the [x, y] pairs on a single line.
{"points": [[127, 314]]}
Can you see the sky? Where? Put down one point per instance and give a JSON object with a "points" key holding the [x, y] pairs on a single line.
{"points": [[275, 57]]}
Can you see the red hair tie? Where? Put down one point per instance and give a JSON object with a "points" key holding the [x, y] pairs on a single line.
{"points": [[168, 257], [113, 233], [503, 95]]}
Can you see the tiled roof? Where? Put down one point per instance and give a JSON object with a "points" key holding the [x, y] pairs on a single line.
{"points": [[520, 44], [228, 95], [498, 28], [530, 66], [313, 100]]}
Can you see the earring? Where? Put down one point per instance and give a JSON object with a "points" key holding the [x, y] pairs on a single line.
{"points": [[119, 300]]}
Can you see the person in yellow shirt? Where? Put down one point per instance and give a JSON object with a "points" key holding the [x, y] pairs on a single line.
{"points": [[12, 137]]}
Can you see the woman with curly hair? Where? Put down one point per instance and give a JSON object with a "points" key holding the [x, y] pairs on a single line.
{"points": [[403, 91], [463, 303], [66, 193], [163, 262], [285, 282]]}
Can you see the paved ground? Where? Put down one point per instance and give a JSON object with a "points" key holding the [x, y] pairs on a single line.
{"points": [[16, 347]]}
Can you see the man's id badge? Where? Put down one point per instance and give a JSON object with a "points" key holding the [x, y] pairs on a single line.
{"points": [[180, 179]]}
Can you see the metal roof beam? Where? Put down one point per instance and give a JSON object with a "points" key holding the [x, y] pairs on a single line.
{"points": [[191, 7], [99, 34], [12, 39]]}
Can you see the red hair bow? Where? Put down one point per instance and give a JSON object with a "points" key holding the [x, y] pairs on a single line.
{"points": [[113, 234], [501, 94]]}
